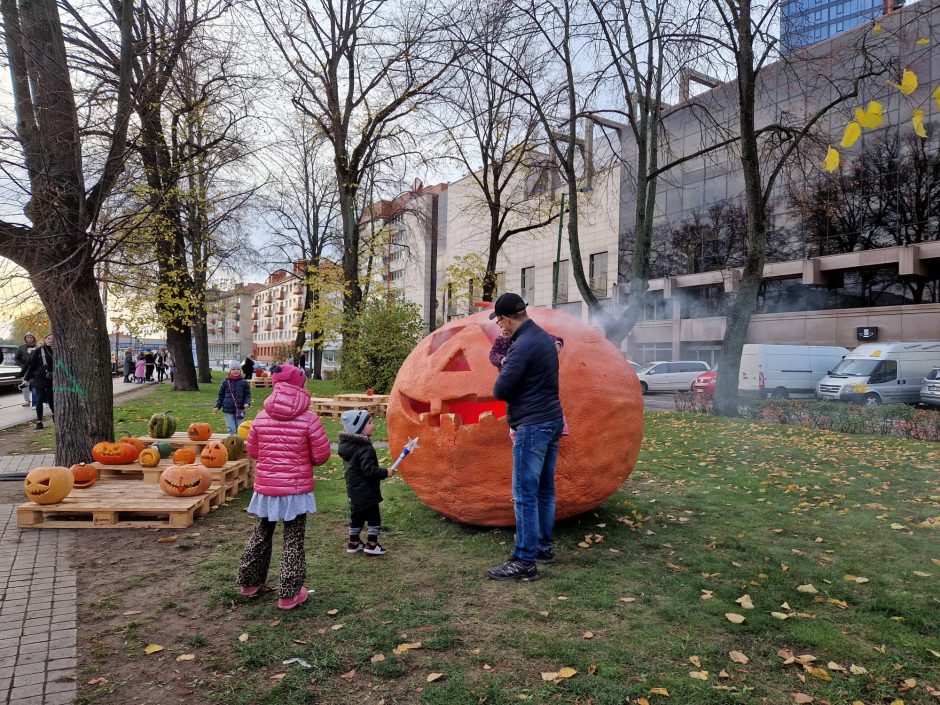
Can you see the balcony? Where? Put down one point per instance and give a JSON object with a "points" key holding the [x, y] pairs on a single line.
{"points": [[280, 310], [267, 326], [254, 329], [280, 325], [254, 315], [297, 307], [297, 289], [268, 298], [280, 295]]}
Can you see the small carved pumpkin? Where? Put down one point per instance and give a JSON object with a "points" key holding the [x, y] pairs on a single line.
{"points": [[369, 392], [114, 453], [184, 456], [48, 485], [84, 475], [164, 448], [244, 428], [149, 458], [200, 431], [235, 445], [214, 455], [162, 425], [136, 442], [185, 480]]}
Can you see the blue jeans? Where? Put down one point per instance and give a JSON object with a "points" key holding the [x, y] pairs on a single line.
{"points": [[534, 455], [231, 423]]}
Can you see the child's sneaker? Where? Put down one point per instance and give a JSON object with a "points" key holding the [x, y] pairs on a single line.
{"points": [[354, 547], [289, 603], [374, 549]]}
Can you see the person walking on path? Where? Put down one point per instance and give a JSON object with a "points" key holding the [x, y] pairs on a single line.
{"points": [[248, 367], [287, 439], [234, 397], [528, 383], [23, 354], [128, 366], [170, 368], [160, 363], [39, 373], [363, 481], [148, 359]]}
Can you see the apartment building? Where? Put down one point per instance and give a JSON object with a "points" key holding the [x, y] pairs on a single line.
{"points": [[276, 311], [228, 323]]}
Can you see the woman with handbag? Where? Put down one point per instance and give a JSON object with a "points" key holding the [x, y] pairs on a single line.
{"points": [[234, 397], [39, 373]]}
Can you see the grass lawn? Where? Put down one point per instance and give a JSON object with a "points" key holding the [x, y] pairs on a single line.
{"points": [[834, 539]]}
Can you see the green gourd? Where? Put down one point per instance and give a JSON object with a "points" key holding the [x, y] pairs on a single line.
{"points": [[162, 425]]}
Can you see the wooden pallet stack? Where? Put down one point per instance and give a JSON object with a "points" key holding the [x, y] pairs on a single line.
{"points": [[262, 382], [333, 407]]}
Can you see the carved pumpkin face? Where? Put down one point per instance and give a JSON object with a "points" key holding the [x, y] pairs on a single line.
{"points": [[149, 458], [48, 485], [244, 428], [84, 475], [184, 456], [200, 431], [114, 453], [214, 455], [185, 480], [443, 394]]}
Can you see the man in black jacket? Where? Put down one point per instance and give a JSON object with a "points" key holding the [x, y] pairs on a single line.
{"points": [[528, 383], [39, 373], [21, 358]]}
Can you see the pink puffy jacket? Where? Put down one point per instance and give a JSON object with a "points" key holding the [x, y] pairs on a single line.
{"points": [[287, 439]]}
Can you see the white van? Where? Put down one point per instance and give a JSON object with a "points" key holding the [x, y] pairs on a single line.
{"points": [[784, 371], [876, 373]]}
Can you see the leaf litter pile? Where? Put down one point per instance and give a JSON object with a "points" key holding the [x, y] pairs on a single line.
{"points": [[740, 563]]}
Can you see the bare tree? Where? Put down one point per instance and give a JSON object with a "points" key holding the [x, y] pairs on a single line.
{"points": [[59, 247]]}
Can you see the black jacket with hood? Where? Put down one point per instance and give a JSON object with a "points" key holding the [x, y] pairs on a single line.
{"points": [[361, 466]]}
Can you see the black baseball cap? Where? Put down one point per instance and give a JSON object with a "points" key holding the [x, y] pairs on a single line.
{"points": [[507, 305]]}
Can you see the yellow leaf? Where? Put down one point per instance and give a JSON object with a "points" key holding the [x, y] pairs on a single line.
{"points": [[186, 657], [831, 162], [922, 574], [660, 691], [332, 612], [923, 41], [695, 661], [808, 588], [336, 627], [908, 82], [779, 615], [896, 618], [642, 701], [820, 673], [433, 677], [738, 657], [918, 119], [857, 670], [243, 637], [802, 698], [870, 118], [699, 675], [544, 613], [897, 701], [549, 676], [878, 29], [936, 97], [378, 658], [833, 666], [852, 132], [566, 672], [587, 635], [936, 654], [280, 676], [152, 648], [745, 602], [734, 618]]}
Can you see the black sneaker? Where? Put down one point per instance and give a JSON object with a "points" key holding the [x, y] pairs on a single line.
{"points": [[514, 569], [38, 426], [545, 556], [354, 547], [373, 548]]}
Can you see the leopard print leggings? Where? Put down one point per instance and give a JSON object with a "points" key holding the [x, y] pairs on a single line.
{"points": [[253, 568]]}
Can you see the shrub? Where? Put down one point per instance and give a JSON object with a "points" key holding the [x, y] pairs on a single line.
{"points": [[383, 334]]}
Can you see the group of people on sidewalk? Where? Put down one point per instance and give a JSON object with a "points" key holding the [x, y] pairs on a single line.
{"points": [[140, 369], [288, 441], [37, 366]]}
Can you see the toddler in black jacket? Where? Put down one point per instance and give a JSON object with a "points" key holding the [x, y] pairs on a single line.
{"points": [[363, 480]]}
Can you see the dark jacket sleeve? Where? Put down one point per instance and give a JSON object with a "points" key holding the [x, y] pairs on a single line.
{"points": [[21, 357], [369, 464], [510, 374], [247, 397], [222, 390]]}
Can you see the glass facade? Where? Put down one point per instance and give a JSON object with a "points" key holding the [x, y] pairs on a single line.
{"points": [[805, 22]]}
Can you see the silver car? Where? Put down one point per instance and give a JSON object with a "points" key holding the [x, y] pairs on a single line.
{"points": [[930, 391]]}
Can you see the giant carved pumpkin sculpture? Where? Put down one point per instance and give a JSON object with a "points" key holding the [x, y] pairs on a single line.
{"points": [[443, 394]]}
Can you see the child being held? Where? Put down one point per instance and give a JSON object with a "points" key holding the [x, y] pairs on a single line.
{"points": [[363, 480], [140, 370]]}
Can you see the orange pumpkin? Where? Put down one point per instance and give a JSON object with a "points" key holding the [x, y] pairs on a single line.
{"points": [[200, 431], [214, 455], [84, 475], [136, 442], [185, 480], [149, 457], [463, 467], [48, 485], [184, 456], [114, 453]]}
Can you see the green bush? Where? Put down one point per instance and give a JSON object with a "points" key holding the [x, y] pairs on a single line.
{"points": [[383, 334]]}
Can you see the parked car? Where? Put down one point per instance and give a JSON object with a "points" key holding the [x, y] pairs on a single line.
{"points": [[670, 376], [9, 373], [930, 391], [634, 365], [876, 373], [784, 371], [705, 383]]}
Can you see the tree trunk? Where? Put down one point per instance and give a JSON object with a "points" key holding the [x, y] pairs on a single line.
{"points": [[82, 384], [352, 296], [201, 336], [180, 344], [318, 361]]}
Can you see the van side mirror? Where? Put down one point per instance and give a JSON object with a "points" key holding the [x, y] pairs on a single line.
{"points": [[828, 372]]}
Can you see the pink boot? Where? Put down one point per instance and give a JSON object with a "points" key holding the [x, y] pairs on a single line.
{"points": [[289, 603], [250, 591]]}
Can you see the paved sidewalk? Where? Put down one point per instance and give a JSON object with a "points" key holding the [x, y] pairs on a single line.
{"points": [[37, 614], [15, 464], [13, 413]]}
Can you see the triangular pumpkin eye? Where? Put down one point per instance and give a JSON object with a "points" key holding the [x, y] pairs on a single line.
{"points": [[458, 363], [442, 336], [44, 481]]}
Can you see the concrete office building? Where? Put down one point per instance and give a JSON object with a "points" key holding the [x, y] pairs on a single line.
{"points": [[228, 324], [276, 309], [806, 22]]}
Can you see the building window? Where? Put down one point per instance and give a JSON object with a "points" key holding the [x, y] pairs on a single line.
{"points": [[560, 281], [528, 285], [451, 304], [598, 274], [653, 352], [500, 285]]}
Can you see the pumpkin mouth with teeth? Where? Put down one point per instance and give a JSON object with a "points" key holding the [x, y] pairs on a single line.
{"points": [[443, 395]]}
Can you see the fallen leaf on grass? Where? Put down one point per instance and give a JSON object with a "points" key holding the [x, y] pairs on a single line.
{"points": [[802, 698], [152, 648], [779, 615], [699, 675], [745, 602], [808, 589], [857, 670], [336, 627], [738, 657], [587, 635], [243, 637], [433, 677], [544, 613], [833, 666], [922, 574], [695, 661], [167, 539], [592, 669], [280, 676], [936, 654], [897, 527], [549, 676], [402, 648], [734, 618], [186, 657], [817, 672], [349, 675], [378, 658], [642, 701], [855, 579], [628, 599], [274, 623], [676, 568], [97, 681], [487, 667], [723, 674], [332, 612], [908, 684], [130, 613], [896, 702], [660, 691], [706, 595]]}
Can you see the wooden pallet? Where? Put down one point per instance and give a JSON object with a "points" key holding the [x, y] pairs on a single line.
{"points": [[367, 398], [180, 440], [119, 505], [234, 476], [263, 383]]}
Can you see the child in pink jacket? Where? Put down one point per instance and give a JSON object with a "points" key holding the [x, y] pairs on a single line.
{"points": [[287, 439]]}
